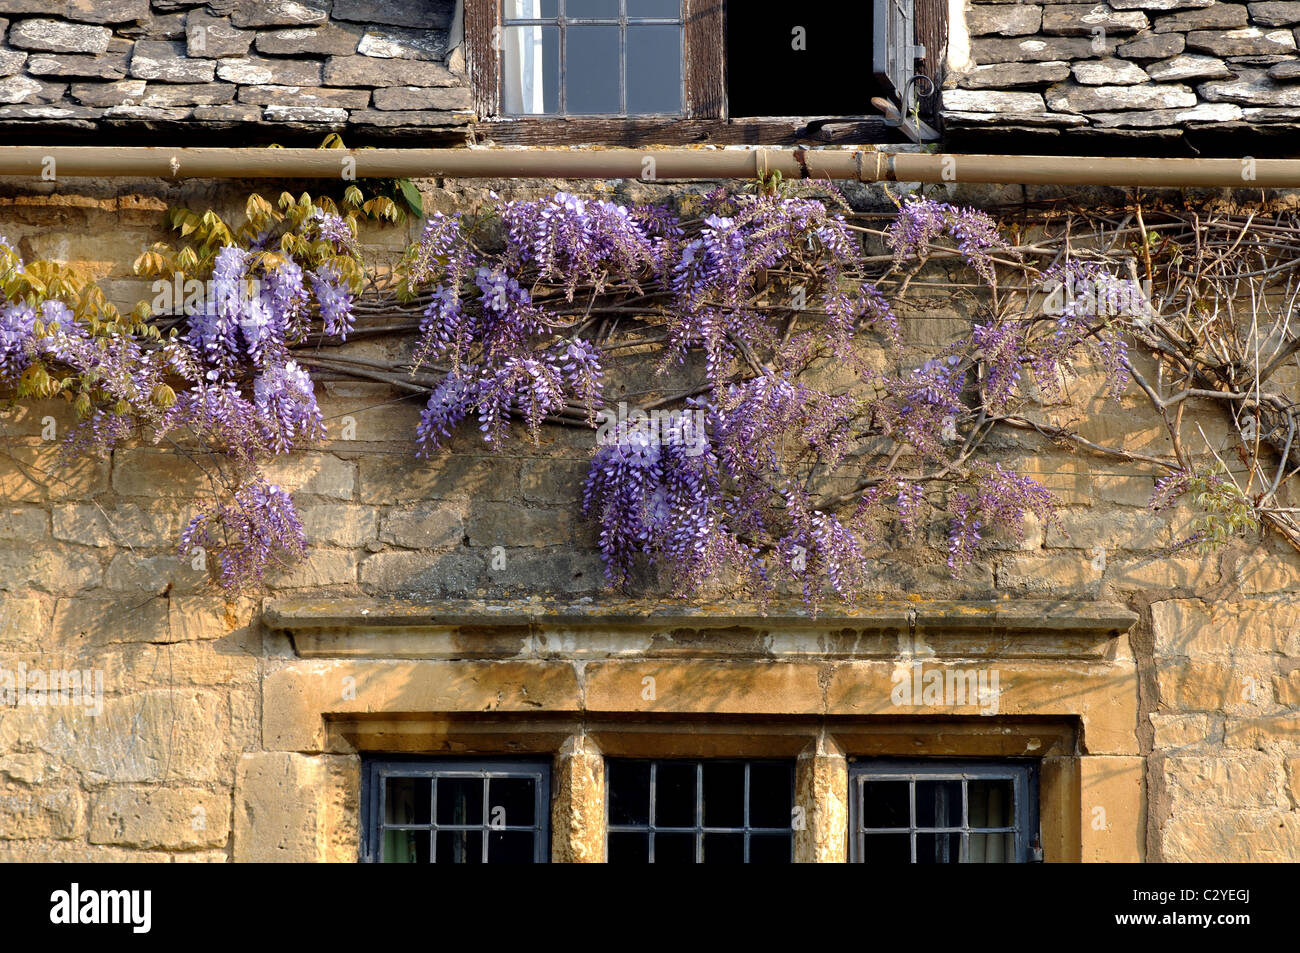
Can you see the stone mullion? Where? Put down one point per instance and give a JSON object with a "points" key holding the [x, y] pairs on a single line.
{"points": [[578, 803], [821, 819]]}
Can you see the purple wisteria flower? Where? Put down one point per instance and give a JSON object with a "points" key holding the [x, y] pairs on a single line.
{"points": [[257, 529], [921, 221]]}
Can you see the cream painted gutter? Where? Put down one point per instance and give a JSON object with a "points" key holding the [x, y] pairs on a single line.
{"points": [[47, 163]]}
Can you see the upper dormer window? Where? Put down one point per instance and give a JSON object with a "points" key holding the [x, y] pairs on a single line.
{"points": [[592, 58], [560, 71]]}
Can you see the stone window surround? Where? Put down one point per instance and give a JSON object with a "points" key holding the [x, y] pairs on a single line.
{"points": [[349, 682]]}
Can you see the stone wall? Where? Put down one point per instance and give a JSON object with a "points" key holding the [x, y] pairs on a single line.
{"points": [[1146, 69], [266, 70], [211, 743]]}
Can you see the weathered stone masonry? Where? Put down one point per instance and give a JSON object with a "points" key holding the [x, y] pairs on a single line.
{"points": [[381, 68], [1138, 69]]}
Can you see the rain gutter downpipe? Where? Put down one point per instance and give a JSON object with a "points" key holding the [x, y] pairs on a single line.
{"points": [[54, 162]]}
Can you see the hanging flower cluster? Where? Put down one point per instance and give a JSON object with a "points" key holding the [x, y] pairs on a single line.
{"points": [[222, 378]]}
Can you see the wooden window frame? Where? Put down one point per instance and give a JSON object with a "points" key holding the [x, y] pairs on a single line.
{"points": [[705, 119]]}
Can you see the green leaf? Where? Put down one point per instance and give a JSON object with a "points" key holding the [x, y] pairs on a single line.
{"points": [[412, 196]]}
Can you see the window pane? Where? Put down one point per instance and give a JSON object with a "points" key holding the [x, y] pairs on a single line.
{"points": [[674, 848], [992, 803], [654, 69], [629, 848], [460, 800], [511, 802], [888, 849], [654, 8], [629, 792], [531, 9], [938, 848], [724, 795], [938, 804], [788, 59], [510, 847], [770, 848], [724, 848], [992, 848], [460, 847], [770, 795], [408, 800], [592, 70], [675, 794], [591, 8], [406, 847], [885, 804], [530, 70]]}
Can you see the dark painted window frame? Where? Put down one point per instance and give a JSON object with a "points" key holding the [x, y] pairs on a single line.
{"points": [[1023, 774], [699, 829], [375, 770]]}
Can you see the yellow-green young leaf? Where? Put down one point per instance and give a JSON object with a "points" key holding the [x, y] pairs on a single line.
{"points": [[82, 405], [35, 381], [286, 200], [187, 261], [121, 408], [288, 242], [353, 196], [164, 396], [333, 141]]}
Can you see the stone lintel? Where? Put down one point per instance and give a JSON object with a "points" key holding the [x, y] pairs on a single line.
{"points": [[1002, 616]]}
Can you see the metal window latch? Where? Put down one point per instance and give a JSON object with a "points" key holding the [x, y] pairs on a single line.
{"points": [[1036, 851]]}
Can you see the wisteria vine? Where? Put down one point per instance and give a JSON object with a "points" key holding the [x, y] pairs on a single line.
{"points": [[810, 437]]}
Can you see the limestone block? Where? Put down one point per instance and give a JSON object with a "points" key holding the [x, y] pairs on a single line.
{"points": [[1069, 97], [431, 15], [166, 61], [44, 812], [1111, 72], [1220, 16], [1006, 75], [296, 696], [1188, 67], [422, 97], [1152, 46], [58, 36], [371, 71], [308, 41], [160, 818], [1083, 19], [397, 43], [258, 70], [1003, 19], [260, 13], [1113, 802], [208, 37], [1271, 13], [1250, 41], [291, 808]]}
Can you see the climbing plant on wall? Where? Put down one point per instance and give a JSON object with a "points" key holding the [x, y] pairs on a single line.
{"points": [[806, 434]]}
